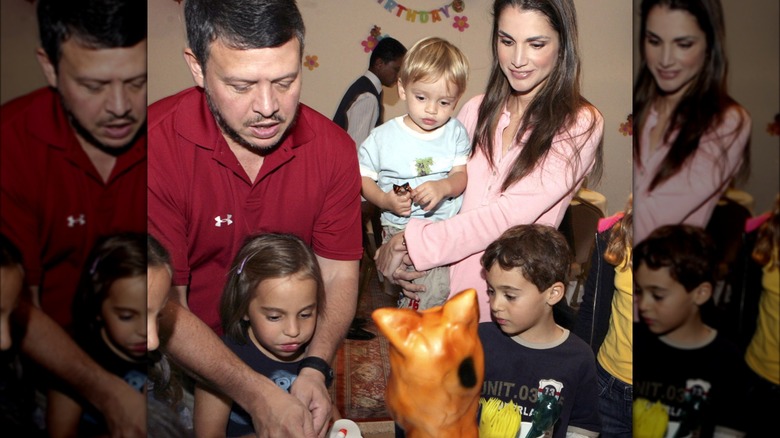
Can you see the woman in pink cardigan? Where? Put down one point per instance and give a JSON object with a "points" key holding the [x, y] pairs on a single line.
{"points": [[534, 139], [693, 136]]}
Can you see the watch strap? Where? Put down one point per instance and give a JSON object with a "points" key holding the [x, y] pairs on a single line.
{"points": [[320, 365]]}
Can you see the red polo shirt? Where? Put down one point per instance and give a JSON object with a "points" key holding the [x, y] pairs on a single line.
{"points": [[54, 203], [202, 204]]}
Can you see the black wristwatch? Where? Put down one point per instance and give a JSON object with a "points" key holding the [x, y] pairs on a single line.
{"points": [[320, 365]]}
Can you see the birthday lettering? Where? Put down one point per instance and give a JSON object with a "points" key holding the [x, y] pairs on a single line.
{"points": [[412, 15], [390, 5]]}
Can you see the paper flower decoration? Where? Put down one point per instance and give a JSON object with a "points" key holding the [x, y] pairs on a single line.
{"points": [[627, 128], [369, 44], [460, 23], [311, 62]]}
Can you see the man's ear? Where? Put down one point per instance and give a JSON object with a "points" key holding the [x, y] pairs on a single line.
{"points": [[377, 65], [49, 70], [556, 293], [702, 293], [195, 68]]}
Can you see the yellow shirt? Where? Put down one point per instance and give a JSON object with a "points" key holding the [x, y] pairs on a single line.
{"points": [[615, 354], [763, 353]]}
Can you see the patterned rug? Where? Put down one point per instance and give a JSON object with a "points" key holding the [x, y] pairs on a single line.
{"points": [[362, 367]]}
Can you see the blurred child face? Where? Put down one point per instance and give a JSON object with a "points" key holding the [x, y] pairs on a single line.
{"points": [[282, 316], [675, 48], [11, 279], [527, 48], [124, 317], [158, 288], [429, 104], [664, 304], [517, 305]]}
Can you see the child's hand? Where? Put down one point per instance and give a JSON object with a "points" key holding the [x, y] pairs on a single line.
{"points": [[399, 204], [429, 194]]}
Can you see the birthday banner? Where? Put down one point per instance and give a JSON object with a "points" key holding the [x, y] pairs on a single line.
{"points": [[423, 16]]}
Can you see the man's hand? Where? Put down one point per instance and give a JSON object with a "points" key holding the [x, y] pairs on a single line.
{"points": [[309, 387], [283, 415], [388, 257], [404, 275], [125, 412]]}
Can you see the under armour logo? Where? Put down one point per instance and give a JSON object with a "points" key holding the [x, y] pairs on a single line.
{"points": [[72, 221], [220, 221]]}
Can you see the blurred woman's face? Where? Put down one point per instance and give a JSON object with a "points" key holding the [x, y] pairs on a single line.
{"points": [[675, 49]]}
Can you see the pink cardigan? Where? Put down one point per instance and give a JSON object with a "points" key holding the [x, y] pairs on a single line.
{"points": [[689, 196], [540, 197]]}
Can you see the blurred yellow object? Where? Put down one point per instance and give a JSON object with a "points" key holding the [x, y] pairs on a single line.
{"points": [[650, 419], [499, 419]]}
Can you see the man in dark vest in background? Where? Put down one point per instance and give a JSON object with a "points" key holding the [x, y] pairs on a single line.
{"points": [[361, 109], [359, 112]]}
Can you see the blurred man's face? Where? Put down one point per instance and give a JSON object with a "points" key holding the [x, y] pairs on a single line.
{"points": [[103, 91]]}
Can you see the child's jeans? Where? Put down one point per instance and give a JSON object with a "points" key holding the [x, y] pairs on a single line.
{"points": [[436, 282], [615, 405]]}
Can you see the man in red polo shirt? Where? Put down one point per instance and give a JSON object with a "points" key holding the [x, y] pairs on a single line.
{"points": [[74, 153], [238, 155], [74, 168]]}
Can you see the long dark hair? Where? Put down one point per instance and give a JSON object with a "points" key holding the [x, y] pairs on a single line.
{"points": [[555, 107], [705, 102]]}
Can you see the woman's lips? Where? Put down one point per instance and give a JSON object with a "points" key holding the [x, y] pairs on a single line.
{"points": [[667, 74], [521, 74]]}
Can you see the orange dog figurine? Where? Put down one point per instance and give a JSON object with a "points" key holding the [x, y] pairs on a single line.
{"points": [[437, 367]]}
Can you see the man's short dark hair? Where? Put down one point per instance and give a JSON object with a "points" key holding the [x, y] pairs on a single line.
{"points": [[540, 251], [388, 50], [97, 24], [687, 251], [241, 24]]}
